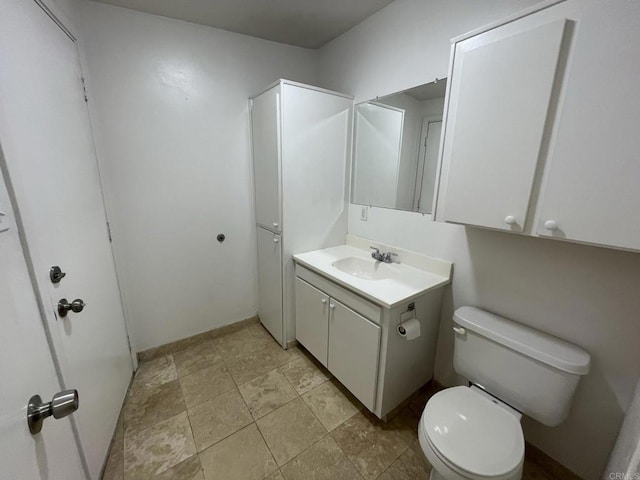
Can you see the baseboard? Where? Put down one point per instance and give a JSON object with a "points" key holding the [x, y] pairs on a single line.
{"points": [[172, 347]]}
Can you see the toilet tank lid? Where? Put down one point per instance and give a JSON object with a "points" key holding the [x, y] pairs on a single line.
{"points": [[525, 340]]}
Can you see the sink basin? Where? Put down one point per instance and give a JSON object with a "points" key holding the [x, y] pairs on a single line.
{"points": [[361, 268]]}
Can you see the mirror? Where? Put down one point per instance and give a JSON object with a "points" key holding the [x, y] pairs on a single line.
{"points": [[396, 145]]}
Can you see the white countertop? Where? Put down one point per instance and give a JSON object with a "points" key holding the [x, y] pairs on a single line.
{"points": [[406, 281]]}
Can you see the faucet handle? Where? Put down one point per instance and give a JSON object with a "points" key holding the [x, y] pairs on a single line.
{"points": [[375, 248]]}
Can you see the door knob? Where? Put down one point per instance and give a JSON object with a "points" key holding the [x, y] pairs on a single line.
{"points": [[62, 404], [64, 306]]}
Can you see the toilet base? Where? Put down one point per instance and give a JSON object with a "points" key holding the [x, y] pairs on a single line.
{"points": [[435, 475]]}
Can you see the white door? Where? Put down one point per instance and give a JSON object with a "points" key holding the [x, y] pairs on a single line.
{"points": [[427, 164], [312, 319], [501, 88], [265, 133], [26, 369], [270, 282], [48, 147], [354, 346]]}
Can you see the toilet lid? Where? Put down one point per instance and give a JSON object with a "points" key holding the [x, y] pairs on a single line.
{"points": [[472, 433]]}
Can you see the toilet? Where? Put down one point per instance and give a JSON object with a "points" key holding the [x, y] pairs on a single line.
{"points": [[474, 432]]}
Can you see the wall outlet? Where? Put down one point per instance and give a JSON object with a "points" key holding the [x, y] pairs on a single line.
{"points": [[364, 211]]}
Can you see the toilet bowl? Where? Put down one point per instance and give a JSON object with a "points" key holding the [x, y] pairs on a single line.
{"points": [[474, 432], [467, 435]]}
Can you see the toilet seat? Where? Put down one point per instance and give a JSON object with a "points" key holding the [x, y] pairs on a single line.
{"points": [[472, 435]]}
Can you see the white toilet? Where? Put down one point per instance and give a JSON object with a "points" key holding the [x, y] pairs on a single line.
{"points": [[474, 432]]}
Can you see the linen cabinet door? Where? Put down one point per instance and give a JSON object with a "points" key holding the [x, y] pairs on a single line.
{"points": [[312, 319], [591, 191], [265, 136], [501, 87], [354, 346]]}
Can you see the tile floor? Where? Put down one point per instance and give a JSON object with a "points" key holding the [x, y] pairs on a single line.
{"points": [[239, 407]]}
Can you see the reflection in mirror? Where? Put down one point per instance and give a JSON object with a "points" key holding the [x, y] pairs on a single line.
{"points": [[396, 148]]}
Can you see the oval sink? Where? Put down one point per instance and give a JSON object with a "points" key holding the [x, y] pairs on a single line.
{"points": [[361, 268]]}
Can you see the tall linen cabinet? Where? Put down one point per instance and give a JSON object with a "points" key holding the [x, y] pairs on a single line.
{"points": [[301, 138]]}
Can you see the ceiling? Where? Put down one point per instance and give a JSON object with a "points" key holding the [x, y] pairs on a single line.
{"points": [[429, 91], [305, 23]]}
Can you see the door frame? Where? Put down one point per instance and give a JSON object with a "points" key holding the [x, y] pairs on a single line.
{"points": [[417, 188]]}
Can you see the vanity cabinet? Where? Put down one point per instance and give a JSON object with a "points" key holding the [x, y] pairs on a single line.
{"points": [[341, 339], [356, 337], [539, 133]]}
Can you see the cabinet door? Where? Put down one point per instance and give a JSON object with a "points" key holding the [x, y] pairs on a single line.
{"points": [[501, 88], [312, 319], [265, 133], [270, 283], [354, 346], [591, 191]]}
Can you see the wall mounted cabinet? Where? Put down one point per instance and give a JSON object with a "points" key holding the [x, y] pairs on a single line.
{"points": [[540, 125]]}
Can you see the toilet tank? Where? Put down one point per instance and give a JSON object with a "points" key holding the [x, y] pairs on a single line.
{"points": [[532, 371]]}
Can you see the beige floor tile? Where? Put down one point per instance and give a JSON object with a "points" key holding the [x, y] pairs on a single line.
{"points": [[304, 374], [267, 393], [371, 445], [241, 342], [262, 358], [242, 456], [158, 448], [290, 429], [218, 418], [258, 331], [323, 461], [332, 404], [149, 405], [411, 465], [189, 469], [274, 476], [114, 469], [196, 357], [206, 384], [154, 373]]}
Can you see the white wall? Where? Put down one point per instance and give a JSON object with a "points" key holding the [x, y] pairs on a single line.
{"points": [[584, 294], [169, 104]]}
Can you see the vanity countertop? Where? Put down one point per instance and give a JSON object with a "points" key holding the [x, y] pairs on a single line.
{"points": [[409, 276]]}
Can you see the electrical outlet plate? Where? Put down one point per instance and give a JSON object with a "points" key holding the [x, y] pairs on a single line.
{"points": [[364, 212]]}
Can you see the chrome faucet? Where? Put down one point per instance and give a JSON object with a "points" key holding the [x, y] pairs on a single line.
{"points": [[382, 257]]}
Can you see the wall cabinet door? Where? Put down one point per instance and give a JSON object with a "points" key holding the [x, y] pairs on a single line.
{"points": [[354, 345], [501, 87], [591, 191], [265, 132], [312, 319], [270, 281]]}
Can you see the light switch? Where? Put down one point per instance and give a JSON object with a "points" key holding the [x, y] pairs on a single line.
{"points": [[364, 210]]}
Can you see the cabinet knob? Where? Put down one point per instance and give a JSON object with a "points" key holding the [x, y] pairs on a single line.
{"points": [[332, 306], [276, 239], [275, 224], [510, 220], [551, 225], [324, 300]]}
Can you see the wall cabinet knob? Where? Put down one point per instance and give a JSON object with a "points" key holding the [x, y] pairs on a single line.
{"points": [[276, 239], [551, 225], [332, 306], [510, 220], [275, 224], [324, 300]]}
